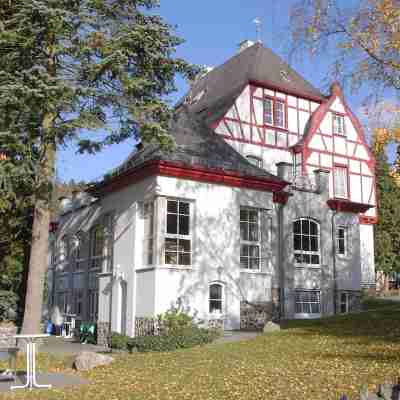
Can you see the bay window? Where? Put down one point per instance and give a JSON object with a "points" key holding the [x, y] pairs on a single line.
{"points": [[148, 233], [306, 241], [249, 238], [178, 233]]}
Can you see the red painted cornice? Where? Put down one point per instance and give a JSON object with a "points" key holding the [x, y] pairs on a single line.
{"points": [[348, 206], [281, 197], [192, 172]]}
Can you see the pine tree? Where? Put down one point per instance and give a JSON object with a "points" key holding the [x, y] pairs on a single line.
{"points": [[69, 67]]}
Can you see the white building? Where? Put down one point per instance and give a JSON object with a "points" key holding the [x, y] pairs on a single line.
{"points": [[265, 209]]}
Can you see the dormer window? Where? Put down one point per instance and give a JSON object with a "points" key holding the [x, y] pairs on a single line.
{"points": [[274, 112], [285, 75], [257, 161], [338, 124]]}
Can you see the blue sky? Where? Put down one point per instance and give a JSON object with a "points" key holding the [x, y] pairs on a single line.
{"points": [[212, 30]]}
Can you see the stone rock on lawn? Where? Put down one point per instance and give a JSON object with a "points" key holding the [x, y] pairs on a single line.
{"points": [[87, 360], [271, 327]]}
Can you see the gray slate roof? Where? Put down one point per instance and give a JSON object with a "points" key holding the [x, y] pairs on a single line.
{"points": [[196, 144], [256, 63]]}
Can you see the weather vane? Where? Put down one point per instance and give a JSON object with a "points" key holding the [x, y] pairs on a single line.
{"points": [[258, 23]]}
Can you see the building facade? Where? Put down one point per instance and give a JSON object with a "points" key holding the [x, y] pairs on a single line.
{"points": [[265, 209]]}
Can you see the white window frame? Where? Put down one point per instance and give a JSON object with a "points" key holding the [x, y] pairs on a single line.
{"points": [[178, 237], [257, 161], [283, 125], [149, 237], [301, 251], [63, 249], [78, 295], [306, 310], [345, 193], [297, 164], [273, 112], [346, 302], [221, 312], [254, 243], [344, 239], [78, 241], [93, 304], [338, 124]]}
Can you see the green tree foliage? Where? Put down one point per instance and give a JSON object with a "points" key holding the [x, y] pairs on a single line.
{"points": [[91, 72], [387, 232]]}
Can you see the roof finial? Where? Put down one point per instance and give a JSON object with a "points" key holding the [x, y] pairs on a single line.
{"points": [[258, 23]]}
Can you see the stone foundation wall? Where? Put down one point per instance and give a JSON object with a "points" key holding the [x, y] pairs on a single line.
{"points": [[103, 334], [6, 335]]}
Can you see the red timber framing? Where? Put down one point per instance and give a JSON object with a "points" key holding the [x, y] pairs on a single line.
{"points": [[183, 171], [314, 130], [261, 133]]}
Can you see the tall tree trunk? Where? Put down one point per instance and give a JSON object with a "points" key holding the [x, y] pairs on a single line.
{"points": [[38, 262]]}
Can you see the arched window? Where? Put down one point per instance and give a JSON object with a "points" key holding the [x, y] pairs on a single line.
{"points": [[306, 241], [216, 298], [257, 161]]}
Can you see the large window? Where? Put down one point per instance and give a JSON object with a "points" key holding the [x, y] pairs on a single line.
{"points": [[307, 302], [306, 241], [178, 235], [63, 249], [78, 243], [98, 241], [297, 164], [274, 113], [249, 238], [216, 298], [341, 240], [338, 124], [340, 177], [148, 233], [78, 302]]}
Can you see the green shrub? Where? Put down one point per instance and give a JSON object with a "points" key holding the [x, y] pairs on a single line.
{"points": [[119, 342], [175, 321], [187, 338], [8, 305]]}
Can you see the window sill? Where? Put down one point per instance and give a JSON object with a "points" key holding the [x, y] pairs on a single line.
{"points": [[307, 316], [253, 271], [174, 267], [308, 266], [279, 128]]}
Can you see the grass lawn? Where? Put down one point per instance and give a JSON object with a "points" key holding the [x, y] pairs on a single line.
{"points": [[307, 360]]}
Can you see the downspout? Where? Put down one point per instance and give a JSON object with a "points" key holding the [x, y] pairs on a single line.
{"points": [[334, 272], [280, 261]]}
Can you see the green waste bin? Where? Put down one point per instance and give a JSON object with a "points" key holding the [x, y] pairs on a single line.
{"points": [[88, 333]]}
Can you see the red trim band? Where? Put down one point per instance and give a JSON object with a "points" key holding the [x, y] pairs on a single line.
{"points": [[348, 206], [193, 172]]}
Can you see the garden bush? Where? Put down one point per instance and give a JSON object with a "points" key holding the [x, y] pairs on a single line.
{"points": [[8, 305], [186, 338], [119, 342]]}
